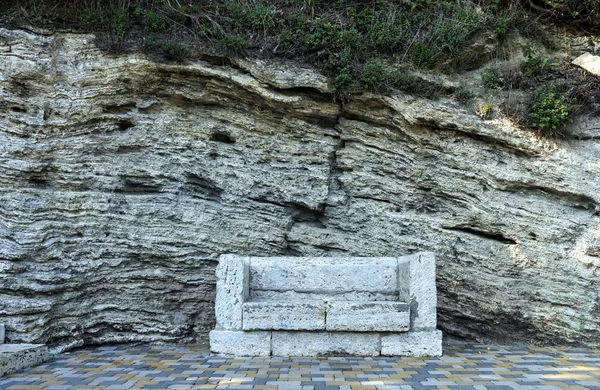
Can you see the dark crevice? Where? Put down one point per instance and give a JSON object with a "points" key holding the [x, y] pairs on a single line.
{"points": [[304, 90], [330, 247], [222, 137], [304, 214], [577, 201], [374, 199], [296, 210], [219, 61], [220, 87], [201, 187], [593, 251], [118, 108], [124, 125], [18, 109], [583, 137], [137, 186], [180, 100], [486, 139], [483, 234], [125, 149], [308, 91], [38, 181]]}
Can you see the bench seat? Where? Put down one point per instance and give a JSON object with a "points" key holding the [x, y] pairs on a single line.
{"points": [[356, 316]]}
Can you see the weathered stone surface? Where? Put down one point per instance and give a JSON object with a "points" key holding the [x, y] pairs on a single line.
{"points": [[412, 344], [368, 316], [16, 357], [238, 343], [325, 343], [324, 296], [292, 315], [233, 277], [418, 272], [2, 329], [122, 180], [378, 275], [589, 62]]}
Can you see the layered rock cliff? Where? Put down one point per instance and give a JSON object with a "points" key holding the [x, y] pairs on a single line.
{"points": [[123, 179]]}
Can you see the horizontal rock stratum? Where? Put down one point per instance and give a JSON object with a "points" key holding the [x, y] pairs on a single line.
{"points": [[122, 180]]}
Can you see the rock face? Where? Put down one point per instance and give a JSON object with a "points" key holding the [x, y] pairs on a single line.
{"points": [[122, 180]]}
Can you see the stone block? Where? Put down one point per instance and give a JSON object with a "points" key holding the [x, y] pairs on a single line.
{"points": [[302, 274], [412, 344], [232, 291], [238, 343], [326, 296], [292, 315], [2, 333], [17, 357], [325, 343], [416, 281], [368, 316]]}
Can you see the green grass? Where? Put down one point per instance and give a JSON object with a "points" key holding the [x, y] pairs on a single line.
{"points": [[350, 40]]}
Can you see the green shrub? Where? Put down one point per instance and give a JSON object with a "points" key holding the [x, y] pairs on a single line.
{"points": [[119, 25], [450, 34], [343, 59], [321, 34], [153, 21], [501, 24], [343, 83], [423, 55], [232, 43], [463, 95], [351, 38], [386, 31], [250, 16], [534, 64], [174, 51], [374, 75], [403, 82], [549, 112], [491, 79]]}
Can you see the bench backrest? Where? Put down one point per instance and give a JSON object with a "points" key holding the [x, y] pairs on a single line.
{"points": [[365, 279]]}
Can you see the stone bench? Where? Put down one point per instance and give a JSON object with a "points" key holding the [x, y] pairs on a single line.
{"points": [[301, 306]]}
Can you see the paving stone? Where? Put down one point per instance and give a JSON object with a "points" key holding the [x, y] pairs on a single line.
{"points": [[461, 364]]}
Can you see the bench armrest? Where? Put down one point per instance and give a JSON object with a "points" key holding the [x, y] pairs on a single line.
{"points": [[416, 284], [233, 289]]}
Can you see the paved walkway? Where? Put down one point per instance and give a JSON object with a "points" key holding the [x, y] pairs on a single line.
{"points": [[462, 367]]}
